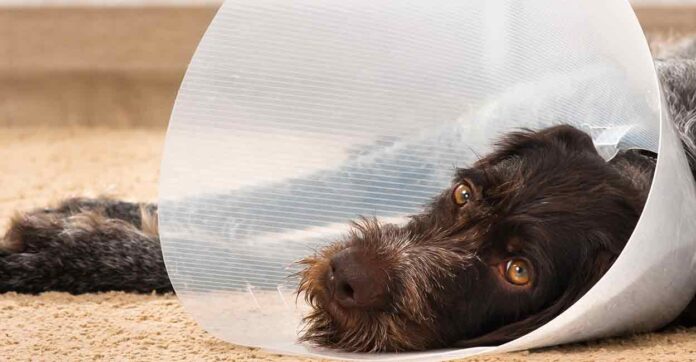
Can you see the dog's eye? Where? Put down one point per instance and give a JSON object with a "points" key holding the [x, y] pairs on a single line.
{"points": [[462, 194], [517, 272]]}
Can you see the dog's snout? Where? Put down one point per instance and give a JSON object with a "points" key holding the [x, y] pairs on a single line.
{"points": [[356, 280]]}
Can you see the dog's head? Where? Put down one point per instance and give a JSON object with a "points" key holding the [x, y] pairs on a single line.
{"points": [[515, 240]]}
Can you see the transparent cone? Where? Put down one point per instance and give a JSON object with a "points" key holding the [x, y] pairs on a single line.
{"points": [[296, 117]]}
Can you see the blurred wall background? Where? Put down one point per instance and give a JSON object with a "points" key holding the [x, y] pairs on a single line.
{"points": [[118, 63]]}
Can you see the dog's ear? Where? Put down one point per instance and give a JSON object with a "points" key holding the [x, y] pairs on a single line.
{"points": [[594, 269], [563, 138], [569, 138]]}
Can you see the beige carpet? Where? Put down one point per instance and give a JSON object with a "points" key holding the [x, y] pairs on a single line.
{"points": [[43, 165]]}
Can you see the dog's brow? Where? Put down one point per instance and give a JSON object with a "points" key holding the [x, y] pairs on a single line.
{"points": [[474, 176]]}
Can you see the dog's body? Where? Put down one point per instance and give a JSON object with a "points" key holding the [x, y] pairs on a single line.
{"points": [[519, 237]]}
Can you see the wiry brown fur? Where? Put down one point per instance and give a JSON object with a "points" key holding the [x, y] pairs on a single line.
{"points": [[84, 245], [421, 271], [149, 221]]}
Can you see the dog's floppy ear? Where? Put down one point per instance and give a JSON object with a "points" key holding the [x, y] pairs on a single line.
{"points": [[563, 138], [594, 269], [569, 137]]}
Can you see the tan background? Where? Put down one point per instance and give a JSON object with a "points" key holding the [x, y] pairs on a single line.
{"points": [[85, 94], [121, 66], [95, 66]]}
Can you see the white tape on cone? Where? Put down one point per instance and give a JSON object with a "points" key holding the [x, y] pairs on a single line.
{"points": [[296, 117]]}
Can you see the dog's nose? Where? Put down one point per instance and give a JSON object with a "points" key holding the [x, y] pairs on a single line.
{"points": [[356, 280]]}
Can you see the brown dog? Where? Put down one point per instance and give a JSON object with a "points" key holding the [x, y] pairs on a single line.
{"points": [[518, 238]]}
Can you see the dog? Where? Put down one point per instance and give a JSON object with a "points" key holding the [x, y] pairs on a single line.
{"points": [[518, 237]]}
